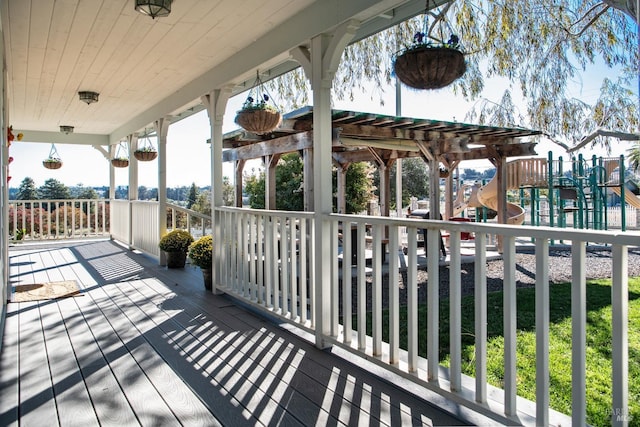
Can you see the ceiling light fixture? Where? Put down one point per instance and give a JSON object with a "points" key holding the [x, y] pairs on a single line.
{"points": [[66, 129], [154, 8], [88, 97]]}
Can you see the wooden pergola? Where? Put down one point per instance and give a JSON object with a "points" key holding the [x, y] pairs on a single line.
{"points": [[382, 140]]}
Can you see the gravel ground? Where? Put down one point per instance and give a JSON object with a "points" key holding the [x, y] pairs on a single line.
{"points": [[598, 265]]}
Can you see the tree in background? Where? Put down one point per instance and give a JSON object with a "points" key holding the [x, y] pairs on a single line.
{"points": [[415, 180], [290, 191], [27, 190], [82, 192], [228, 192], [538, 46], [193, 194], [359, 187], [202, 203], [254, 187], [53, 189]]}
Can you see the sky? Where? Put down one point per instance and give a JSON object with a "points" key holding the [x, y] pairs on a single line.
{"points": [[188, 157]]}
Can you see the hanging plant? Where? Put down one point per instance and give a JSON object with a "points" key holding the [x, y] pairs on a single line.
{"points": [[256, 114], [145, 152], [53, 161], [120, 160], [430, 65]]}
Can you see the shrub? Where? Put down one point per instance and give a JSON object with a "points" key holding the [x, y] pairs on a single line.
{"points": [[200, 252], [176, 241]]}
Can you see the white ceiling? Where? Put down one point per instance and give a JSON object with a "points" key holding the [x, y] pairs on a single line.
{"points": [[144, 69]]}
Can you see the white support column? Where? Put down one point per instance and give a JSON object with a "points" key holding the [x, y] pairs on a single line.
{"points": [[162, 129], [133, 167], [112, 172], [320, 65], [216, 103]]}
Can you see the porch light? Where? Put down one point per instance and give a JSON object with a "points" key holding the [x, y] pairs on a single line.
{"points": [[154, 8], [66, 129], [88, 97]]}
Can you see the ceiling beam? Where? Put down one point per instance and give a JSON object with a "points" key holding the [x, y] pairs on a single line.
{"points": [[272, 50], [64, 138]]}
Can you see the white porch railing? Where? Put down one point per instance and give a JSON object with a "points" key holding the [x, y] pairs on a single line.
{"points": [[137, 222], [267, 259], [58, 219]]}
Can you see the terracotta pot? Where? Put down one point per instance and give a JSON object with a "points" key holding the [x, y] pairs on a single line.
{"points": [[176, 259], [429, 67], [207, 275]]}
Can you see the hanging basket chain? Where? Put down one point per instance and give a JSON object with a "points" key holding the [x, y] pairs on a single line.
{"points": [[53, 161], [120, 160], [145, 152], [262, 96], [257, 115], [53, 153], [430, 63]]}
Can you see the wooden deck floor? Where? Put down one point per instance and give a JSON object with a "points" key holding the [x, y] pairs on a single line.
{"points": [[143, 345]]}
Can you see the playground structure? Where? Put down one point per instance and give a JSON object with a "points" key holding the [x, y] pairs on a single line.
{"points": [[579, 196]]}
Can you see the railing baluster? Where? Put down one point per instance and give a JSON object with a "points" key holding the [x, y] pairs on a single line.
{"points": [[334, 279], [620, 336], [362, 288], [480, 292], [284, 265], [394, 298], [542, 331], [303, 271], [260, 242], [510, 324], [432, 247], [578, 334], [253, 295], [412, 299], [455, 313], [293, 266], [376, 291], [347, 283]]}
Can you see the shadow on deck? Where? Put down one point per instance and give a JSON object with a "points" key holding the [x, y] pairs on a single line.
{"points": [[144, 345]]}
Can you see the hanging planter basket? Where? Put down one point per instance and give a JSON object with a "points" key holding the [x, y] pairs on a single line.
{"points": [[145, 156], [258, 120], [120, 163], [426, 67], [120, 160], [256, 114], [53, 161], [146, 152]]}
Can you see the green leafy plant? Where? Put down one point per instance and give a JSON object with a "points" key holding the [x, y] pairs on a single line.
{"points": [[147, 149], [200, 252], [261, 104], [176, 241]]}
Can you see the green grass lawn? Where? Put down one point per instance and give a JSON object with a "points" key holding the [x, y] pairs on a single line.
{"points": [[598, 345]]}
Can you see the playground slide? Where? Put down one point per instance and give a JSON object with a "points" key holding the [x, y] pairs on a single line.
{"points": [[488, 196], [629, 197]]}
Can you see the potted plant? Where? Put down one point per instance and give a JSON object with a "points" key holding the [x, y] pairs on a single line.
{"points": [[120, 162], [176, 245], [200, 254], [146, 152], [427, 65], [258, 116], [53, 161]]}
